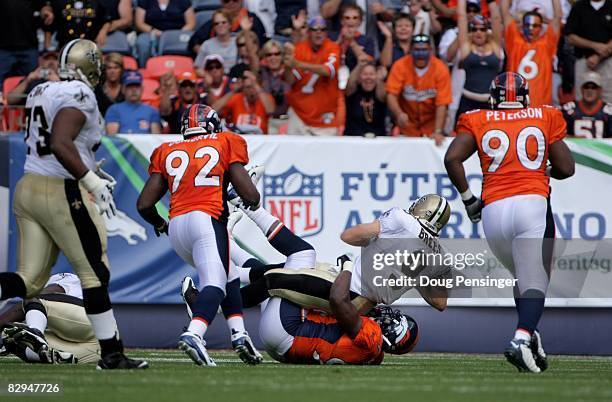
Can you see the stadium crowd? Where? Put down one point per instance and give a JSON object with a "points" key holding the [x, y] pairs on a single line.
{"points": [[316, 67]]}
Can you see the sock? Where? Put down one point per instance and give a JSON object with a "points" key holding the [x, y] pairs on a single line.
{"points": [[232, 303], [235, 323], [262, 218], [254, 293], [238, 255], [104, 324], [207, 303], [522, 334], [244, 275], [11, 285], [530, 307], [36, 319], [286, 242], [198, 326]]}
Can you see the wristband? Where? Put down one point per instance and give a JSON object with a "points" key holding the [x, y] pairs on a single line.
{"points": [[466, 195]]}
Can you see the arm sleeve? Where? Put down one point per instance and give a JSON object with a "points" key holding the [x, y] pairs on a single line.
{"points": [[394, 81], [558, 127], [79, 97], [391, 221], [464, 125], [156, 165], [238, 150], [444, 94]]}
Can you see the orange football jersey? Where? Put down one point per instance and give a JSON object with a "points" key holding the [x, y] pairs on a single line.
{"points": [[325, 343], [513, 148], [315, 98], [419, 96], [239, 111], [534, 61], [195, 170]]}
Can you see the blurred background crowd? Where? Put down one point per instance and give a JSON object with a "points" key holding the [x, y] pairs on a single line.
{"points": [[316, 67]]}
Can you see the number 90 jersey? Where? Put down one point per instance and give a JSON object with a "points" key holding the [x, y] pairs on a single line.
{"points": [[513, 148], [196, 171], [42, 105]]}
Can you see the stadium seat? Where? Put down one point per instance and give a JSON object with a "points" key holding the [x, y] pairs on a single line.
{"points": [[200, 5], [145, 73], [174, 41], [159, 65], [202, 17], [148, 92], [129, 63], [117, 42]]}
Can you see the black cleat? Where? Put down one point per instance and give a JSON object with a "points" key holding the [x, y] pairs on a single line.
{"points": [[119, 361], [538, 351]]}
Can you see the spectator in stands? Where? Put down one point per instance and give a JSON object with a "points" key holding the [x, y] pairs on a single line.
{"points": [[397, 44], [311, 69], [351, 41], [265, 10], [120, 14], [155, 16], [18, 42], [480, 55], [590, 117], [365, 100], [425, 17], [88, 19], [247, 104], [447, 11], [248, 48], [132, 116], [46, 71], [287, 10], [271, 72], [172, 107], [531, 50], [222, 44], [419, 91], [236, 12], [110, 91], [589, 29], [373, 11], [216, 82]]}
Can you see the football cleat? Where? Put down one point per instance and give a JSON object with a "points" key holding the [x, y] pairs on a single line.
{"points": [[195, 348], [519, 354], [243, 346], [538, 351], [26, 337], [232, 220], [56, 356], [119, 361], [189, 293], [256, 172]]}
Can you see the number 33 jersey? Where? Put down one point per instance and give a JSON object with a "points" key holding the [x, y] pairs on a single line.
{"points": [[42, 106], [513, 148], [196, 171]]}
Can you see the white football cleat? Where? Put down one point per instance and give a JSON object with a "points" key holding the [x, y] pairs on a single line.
{"points": [[195, 348], [243, 346], [187, 293], [519, 354]]}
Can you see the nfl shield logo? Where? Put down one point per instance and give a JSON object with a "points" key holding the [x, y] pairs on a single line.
{"points": [[296, 199]]}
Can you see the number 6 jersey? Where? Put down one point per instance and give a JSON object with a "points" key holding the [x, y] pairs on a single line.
{"points": [[513, 148], [196, 171], [42, 106]]}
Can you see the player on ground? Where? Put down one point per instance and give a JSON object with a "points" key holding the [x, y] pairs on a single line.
{"points": [[514, 142], [56, 328], [59, 200], [197, 172]]}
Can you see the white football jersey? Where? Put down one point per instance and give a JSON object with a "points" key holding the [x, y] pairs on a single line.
{"points": [[42, 105], [69, 282], [395, 223]]}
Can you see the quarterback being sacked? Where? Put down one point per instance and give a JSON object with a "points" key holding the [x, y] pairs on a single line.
{"points": [[56, 328], [197, 171], [58, 201], [514, 143]]}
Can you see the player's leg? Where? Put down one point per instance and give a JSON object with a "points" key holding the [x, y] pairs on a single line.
{"points": [[64, 351], [83, 241], [272, 328]]}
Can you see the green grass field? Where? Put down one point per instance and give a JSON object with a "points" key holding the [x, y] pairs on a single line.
{"points": [[416, 377]]}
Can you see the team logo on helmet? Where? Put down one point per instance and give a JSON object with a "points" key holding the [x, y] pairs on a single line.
{"points": [[200, 119], [509, 91], [400, 332]]}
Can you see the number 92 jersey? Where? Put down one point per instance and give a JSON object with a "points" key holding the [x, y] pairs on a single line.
{"points": [[42, 105], [196, 170], [513, 148]]}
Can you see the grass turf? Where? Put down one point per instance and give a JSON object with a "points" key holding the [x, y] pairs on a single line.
{"points": [[416, 377]]}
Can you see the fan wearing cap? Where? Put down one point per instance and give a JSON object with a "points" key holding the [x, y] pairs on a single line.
{"points": [[419, 91], [46, 71], [132, 116], [247, 103], [531, 49], [311, 69], [590, 117], [172, 106], [216, 82]]}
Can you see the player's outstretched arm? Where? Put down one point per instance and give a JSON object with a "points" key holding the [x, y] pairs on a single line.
{"points": [[245, 188], [340, 303], [153, 191], [361, 235], [561, 161]]}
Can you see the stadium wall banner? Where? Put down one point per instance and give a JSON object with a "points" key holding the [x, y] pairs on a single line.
{"points": [[318, 187]]}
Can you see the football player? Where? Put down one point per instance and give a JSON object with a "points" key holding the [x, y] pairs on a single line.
{"points": [[197, 171], [56, 328], [591, 117], [514, 143], [58, 201]]}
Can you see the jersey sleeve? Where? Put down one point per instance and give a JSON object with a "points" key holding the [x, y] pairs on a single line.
{"points": [[369, 336], [394, 81], [552, 38], [510, 34], [464, 125], [391, 221], [558, 126], [238, 150], [156, 165], [77, 96], [444, 94]]}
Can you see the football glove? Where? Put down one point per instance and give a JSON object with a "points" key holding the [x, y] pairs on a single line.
{"points": [[101, 190], [163, 228], [104, 175], [473, 206]]}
